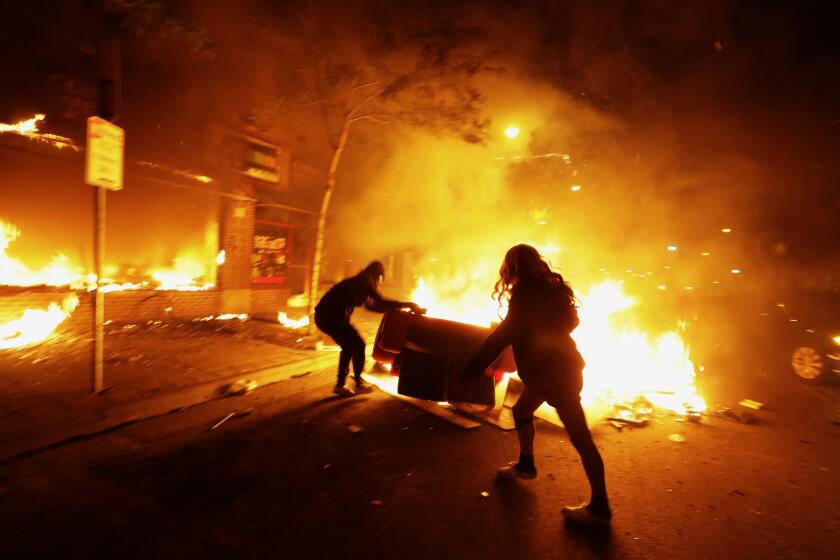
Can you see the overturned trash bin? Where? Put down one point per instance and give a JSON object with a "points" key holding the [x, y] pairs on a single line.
{"points": [[436, 376], [430, 354]]}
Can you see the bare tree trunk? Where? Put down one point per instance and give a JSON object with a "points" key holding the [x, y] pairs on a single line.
{"points": [[322, 218]]}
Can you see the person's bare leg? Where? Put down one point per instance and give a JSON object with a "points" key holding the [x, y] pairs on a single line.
{"points": [[523, 418], [574, 421]]}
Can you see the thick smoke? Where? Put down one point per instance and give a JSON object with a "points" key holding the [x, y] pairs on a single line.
{"points": [[661, 116]]}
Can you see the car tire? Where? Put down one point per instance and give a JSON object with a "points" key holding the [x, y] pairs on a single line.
{"points": [[809, 364]]}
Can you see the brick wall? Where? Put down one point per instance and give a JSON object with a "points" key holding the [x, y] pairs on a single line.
{"points": [[138, 306], [268, 301], [237, 240], [129, 306]]}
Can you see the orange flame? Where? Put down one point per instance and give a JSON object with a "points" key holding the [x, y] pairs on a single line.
{"points": [[59, 272], [185, 274], [36, 325], [622, 364], [284, 320], [29, 129]]}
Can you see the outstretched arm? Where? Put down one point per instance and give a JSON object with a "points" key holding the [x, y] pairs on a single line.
{"points": [[495, 343], [375, 302]]}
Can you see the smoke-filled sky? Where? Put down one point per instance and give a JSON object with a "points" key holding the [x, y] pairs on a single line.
{"points": [[675, 119], [678, 119]]}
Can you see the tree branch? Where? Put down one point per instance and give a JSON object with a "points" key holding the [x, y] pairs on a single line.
{"points": [[368, 84], [370, 117], [352, 113]]}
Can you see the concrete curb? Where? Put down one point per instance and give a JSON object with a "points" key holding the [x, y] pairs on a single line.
{"points": [[47, 436]]}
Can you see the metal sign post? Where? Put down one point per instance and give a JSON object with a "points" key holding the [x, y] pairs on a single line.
{"points": [[103, 170]]}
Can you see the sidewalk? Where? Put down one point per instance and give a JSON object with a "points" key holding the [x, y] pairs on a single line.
{"points": [[150, 369]]}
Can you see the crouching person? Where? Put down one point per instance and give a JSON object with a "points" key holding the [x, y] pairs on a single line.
{"points": [[332, 317]]}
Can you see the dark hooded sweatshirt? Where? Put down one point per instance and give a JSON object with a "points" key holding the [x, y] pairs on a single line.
{"points": [[338, 303]]}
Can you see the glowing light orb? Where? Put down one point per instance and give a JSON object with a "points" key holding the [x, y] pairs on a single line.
{"points": [[512, 132]]}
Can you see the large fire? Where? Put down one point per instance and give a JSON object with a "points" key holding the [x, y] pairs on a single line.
{"points": [[622, 363], [59, 272], [36, 325], [186, 273]]}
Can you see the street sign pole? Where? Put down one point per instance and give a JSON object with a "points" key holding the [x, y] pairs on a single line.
{"points": [[103, 170], [98, 294]]}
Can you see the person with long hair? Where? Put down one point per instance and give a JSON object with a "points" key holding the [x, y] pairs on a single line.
{"points": [[332, 317], [541, 315]]}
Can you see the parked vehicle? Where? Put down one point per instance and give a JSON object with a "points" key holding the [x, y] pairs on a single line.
{"points": [[813, 349]]}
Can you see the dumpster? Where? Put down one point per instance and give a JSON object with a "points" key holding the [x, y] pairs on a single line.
{"points": [[429, 355]]}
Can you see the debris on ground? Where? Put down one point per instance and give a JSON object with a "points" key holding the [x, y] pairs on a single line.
{"points": [[223, 420], [635, 413], [299, 375], [484, 494], [376, 502], [234, 414], [729, 414], [677, 438], [241, 387], [748, 403], [355, 429]]}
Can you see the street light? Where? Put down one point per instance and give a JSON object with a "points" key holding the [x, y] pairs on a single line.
{"points": [[512, 132]]}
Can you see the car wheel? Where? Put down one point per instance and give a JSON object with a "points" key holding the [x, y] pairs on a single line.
{"points": [[809, 364]]}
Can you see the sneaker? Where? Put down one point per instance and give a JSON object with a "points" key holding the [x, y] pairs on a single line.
{"points": [[343, 391], [513, 471], [363, 388], [583, 515]]}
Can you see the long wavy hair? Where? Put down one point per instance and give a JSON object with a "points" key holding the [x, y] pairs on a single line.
{"points": [[523, 262]]}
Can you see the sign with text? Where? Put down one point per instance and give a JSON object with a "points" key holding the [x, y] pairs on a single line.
{"points": [[269, 259], [104, 161]]}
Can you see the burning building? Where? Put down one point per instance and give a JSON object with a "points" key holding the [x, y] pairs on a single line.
{"points": [[215, 217]]}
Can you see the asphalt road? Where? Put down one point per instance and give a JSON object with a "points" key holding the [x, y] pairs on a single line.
{"points": [[290, 480]]}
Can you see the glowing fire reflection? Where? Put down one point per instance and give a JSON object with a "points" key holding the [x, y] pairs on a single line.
{"points": [[284, 320], [36, 325], [622, 362]]}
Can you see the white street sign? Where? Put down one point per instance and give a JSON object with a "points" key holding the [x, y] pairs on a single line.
{"points": [[104, 161]]}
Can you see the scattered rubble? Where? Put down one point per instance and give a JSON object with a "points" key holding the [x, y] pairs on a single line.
{"points": [[241, 387], [726, 412], [235, 414], [677, 438], [748, 403], [635, 413], [223, 420], [355, 429]]}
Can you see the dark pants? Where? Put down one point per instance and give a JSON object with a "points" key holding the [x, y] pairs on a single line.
{"points": [[571, 413], [352, 347]]}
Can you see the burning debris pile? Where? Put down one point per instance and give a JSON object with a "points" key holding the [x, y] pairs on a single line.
{"points": [[629, 375]]}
